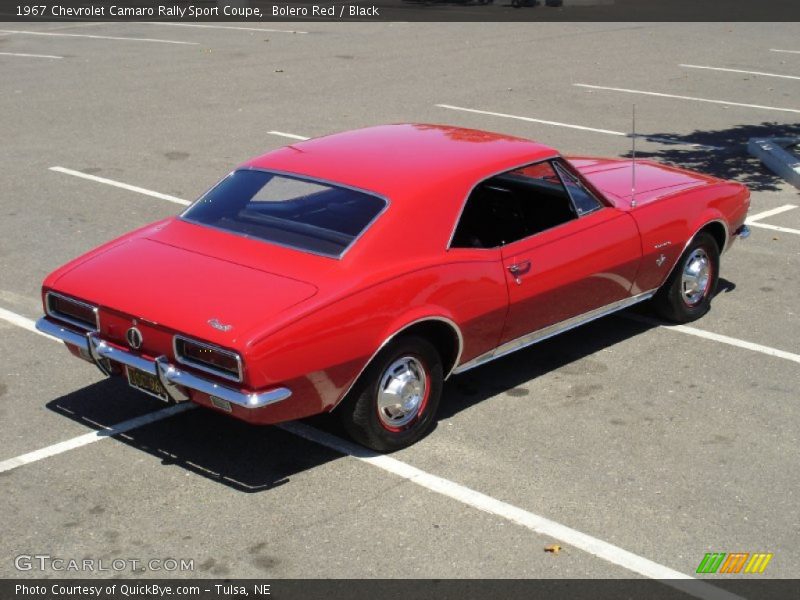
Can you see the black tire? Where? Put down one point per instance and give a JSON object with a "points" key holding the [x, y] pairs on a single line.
{"points": [[414, 359], [677, 302]]}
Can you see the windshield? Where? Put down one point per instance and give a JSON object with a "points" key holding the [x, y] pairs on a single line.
{"points": [[316, 217]]}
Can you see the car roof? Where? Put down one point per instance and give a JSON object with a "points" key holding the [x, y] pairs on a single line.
{"points": [[402, 160]]}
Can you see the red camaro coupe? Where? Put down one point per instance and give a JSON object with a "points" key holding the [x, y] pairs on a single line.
{"points": [[357, 271]]}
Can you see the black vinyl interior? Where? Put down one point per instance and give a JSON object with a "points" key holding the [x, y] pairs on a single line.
{"points": [[510, 207]]}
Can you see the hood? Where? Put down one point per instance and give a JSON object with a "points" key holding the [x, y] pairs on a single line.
{"points": [[614, 178], [183, 290]]}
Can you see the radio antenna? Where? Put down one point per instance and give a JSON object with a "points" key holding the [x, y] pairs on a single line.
{"points": [[633, 165]]}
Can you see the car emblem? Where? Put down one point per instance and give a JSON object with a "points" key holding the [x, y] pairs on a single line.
{"points": [[216, 324], [134, 337]]}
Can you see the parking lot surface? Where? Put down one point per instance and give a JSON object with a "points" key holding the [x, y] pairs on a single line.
{"points": [[661, 443]]}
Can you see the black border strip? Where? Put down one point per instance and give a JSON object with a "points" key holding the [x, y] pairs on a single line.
{"points": [[265, 11]]}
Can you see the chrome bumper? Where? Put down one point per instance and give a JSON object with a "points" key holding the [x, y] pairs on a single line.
{"points": [[743, 232], [171, 377]]}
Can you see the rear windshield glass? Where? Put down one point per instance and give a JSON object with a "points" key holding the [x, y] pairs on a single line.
{"points": [[316, 217]]}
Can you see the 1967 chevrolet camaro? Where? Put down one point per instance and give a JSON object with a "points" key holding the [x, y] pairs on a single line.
{"points": [[358, 271]]}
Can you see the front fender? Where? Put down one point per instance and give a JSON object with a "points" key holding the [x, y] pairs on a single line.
{"points": [[668, 225]]}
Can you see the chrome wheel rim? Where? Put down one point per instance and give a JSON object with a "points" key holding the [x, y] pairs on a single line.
{"points": [[402, 392], [696, 277]]}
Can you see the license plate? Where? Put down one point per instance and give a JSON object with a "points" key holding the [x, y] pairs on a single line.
{"points": [[147, 383]]}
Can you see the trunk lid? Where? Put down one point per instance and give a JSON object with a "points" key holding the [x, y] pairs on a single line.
{"points": [[184, 289]]}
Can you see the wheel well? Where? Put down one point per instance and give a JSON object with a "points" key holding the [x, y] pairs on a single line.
{"points": [[443, 336], [718, 232]]}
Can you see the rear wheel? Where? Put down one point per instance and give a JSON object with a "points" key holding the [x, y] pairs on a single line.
{"points": [[394, 402], [687, 293]]}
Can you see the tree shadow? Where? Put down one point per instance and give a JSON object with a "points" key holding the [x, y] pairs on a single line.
{"points": [[732, 161]]}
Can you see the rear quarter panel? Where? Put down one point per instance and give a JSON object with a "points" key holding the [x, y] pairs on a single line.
{"points": [[320, 354]]}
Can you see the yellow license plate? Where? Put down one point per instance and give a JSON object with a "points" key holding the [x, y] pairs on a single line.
{"points": [[147, 383]]}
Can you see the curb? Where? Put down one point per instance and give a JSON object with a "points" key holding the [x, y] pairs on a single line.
{"points": [[772, 152]]}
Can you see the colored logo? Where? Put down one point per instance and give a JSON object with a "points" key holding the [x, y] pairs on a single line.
{"points": [[735, 562]]}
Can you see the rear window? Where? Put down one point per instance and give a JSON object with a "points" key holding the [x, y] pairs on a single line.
{"points": [[316, 217]]}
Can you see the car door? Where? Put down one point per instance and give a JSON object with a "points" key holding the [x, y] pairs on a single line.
{"points": [[580, 256]]}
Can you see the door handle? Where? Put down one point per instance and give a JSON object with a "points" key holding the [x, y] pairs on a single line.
{"points": [[518, 269]]}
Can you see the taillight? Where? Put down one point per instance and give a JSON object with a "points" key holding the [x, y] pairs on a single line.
{"points": [[72, 311], [208, 358]]}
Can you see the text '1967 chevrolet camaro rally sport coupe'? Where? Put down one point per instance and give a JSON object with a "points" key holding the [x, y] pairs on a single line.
{"points": [[355, 272]]}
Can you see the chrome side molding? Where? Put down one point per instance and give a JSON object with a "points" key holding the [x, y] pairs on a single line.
{"points": [[553, 330], [171, 377]]}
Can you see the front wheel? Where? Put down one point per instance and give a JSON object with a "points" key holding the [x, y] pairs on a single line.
{"points": [[687, 293], [394, 402]]}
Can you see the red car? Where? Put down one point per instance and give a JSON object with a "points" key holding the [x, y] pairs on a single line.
{"points": [[358, 271]]}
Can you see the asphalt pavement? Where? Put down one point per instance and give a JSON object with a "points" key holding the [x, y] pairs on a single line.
{"points": [[662, 443]]}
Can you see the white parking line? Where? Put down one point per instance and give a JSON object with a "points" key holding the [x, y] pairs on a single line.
{"points": [[753, 221], [24, 322], [94, 436], [740, 71], [785, 51], [661, 95], [87, 438], [542, 525], [776, 228], [529, 520], [124, 186], [222, 27], [531, 119], [571, 126], [716, 337], [769, 213], [288, 135], [29, 55], [98, 37]]}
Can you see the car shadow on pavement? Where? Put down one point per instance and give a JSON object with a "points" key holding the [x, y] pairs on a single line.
{"points": [[251, 458], [509, 373], [731, 161], [506, 374], [245, 457]]}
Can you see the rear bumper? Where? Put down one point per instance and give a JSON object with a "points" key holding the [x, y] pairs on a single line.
{"points": [[174, 379]]}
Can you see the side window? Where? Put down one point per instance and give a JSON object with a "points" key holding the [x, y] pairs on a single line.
{"points": [[582, 198], [491, 218], [513, 206], [545, 203]]}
